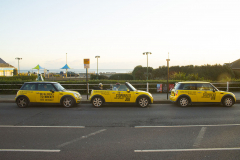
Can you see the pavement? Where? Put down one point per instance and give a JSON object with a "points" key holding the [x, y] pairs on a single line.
{"points": [[159, 98]]}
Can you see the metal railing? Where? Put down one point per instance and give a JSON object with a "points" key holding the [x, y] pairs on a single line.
{"points": [[147, 88]]}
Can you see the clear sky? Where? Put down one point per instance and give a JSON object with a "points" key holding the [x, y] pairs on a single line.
{"points": [[194, 32]]}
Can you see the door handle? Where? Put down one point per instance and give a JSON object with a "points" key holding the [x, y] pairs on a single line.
{"points": [[37, 92]]}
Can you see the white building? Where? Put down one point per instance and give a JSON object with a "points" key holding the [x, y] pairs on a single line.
{"points": [[6, 69]]}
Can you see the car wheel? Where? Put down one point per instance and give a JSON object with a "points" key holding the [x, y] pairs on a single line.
{"points": [[143, 102], [97, 102], [22, 102], [68, 102], [228, 101], [183, 102]]}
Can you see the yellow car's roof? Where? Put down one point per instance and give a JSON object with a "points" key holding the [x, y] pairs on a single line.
{"points": [[193, 82]]}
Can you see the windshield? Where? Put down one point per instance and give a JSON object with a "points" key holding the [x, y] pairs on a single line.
{"points": [[59, 87], [131, 87]]}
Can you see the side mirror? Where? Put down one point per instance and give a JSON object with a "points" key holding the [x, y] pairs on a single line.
{"points": [[52, 91], [214, 90], [128, 91]]}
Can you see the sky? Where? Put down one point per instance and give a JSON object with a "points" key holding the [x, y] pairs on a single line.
{"points": [[193, 32]]}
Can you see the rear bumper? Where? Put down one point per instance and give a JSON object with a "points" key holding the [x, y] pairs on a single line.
{"points": [[173, 98]]}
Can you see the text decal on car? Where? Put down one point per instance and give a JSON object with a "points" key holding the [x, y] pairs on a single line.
{"points": [[46, 96], [209, 95], [122, 96]]}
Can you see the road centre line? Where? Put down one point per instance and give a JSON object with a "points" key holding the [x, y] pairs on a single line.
{"points": [[214, 125], [189, 150], [12, 126], [200, 137], [83, 137], [29, 150]]}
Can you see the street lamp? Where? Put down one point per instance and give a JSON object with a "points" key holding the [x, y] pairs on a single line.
{"points": [[167, 74], [147, 53], [97, 64], [18, 64]]}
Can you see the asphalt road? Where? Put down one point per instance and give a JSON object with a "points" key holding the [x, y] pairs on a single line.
{"points": [[161, 131]]}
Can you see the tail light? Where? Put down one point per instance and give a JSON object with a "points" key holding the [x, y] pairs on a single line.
{"points": [[176, 93]]}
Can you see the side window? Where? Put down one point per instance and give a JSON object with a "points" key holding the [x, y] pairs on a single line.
{"points": [[121, 87], [189, 86], [204, 86], [45, 87], [29, 86]]}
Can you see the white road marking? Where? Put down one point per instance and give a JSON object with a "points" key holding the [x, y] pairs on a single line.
{"points": [[83, 137], [28, 150], [214, 125], [188, 150], [11, 126], [200, 137]]}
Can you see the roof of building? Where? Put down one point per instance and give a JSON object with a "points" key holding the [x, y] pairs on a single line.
{"points": [[4, 64], [2, 61]]}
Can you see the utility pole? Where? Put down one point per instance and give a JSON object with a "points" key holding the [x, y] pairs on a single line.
{"points": [[167, 74]]}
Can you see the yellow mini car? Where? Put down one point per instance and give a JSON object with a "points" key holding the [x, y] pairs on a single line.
{"points": [[120, 93], [185, 93], [46, 92]]}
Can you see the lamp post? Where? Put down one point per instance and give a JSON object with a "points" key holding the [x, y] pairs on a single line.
{"points": [[66, 63], [147, 53], [167, 74], [97, 64], [18, 64]]}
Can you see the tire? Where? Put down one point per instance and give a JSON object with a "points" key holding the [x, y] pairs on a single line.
{"points": [[22, 102], [97, 102], [228, 102], [183, 102], [143, 102], [68, 102]]}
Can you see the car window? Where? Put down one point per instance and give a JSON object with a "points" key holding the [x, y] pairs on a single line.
{"points": [[121, 87], [59, 87], [45, 87], [29, 86], [204, 86], [186, 86]]}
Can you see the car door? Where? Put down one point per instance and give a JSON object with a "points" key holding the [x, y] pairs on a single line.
{"points": [[45, 94], [122, 94], [188, 89], [206, 93], [29, 90]]}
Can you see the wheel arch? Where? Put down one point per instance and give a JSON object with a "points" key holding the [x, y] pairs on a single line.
{"points": [[184, 95], [98, 96], [24, 97], [67, 96], [228, 95], [143, 95]]}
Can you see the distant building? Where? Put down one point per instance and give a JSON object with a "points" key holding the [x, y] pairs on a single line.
{"points": [[6, 69]]}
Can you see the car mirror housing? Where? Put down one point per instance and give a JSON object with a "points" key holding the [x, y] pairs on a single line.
{"points": [[128, 91]]}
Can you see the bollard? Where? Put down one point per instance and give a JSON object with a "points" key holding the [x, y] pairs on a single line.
{"points": [[227, 86]]}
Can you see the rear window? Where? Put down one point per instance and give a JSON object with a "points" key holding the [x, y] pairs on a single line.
{"points": [[186, 86], [29, 86]]}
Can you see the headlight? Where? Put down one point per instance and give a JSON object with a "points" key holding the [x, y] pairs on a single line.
{"points": [[76, 95]]}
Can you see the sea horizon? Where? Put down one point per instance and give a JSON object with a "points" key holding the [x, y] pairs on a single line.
{"points": [[79, 70]]}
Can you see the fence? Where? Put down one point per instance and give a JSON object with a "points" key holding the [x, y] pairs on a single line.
{"points": [[148, 86]]}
